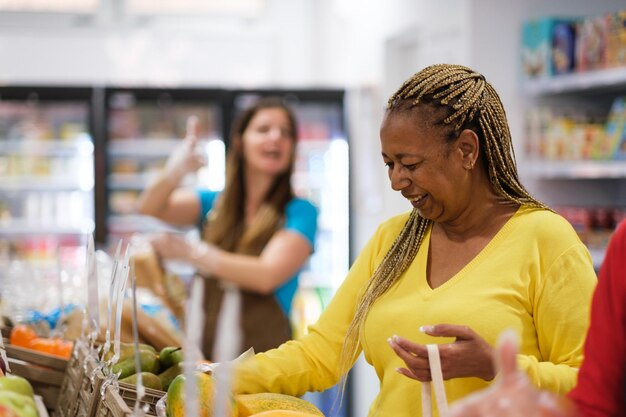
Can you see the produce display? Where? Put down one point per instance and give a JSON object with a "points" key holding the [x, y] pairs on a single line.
{"points": [[25, 336], [17, 397], [121, 344]]}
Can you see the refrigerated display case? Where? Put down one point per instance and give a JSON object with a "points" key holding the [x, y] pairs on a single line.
{"points": [[46, 192], [143, 126], [321, 174]]}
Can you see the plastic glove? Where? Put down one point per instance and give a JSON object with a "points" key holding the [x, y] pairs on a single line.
{"points": [[186, 158], [512, 395]]}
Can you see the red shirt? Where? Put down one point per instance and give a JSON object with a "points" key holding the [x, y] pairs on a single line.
{"points": [[601, 387]]}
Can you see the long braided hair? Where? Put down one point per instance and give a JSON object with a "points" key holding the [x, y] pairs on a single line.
{"points": [[456, 98]]}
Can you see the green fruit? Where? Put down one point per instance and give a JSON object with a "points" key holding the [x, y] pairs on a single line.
{"points": [[16, 384], [148, 379], [127, 350], [149, 362], [170, 356], [23, 405], [169, 374]]}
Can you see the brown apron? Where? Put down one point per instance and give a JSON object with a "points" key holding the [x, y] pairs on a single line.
{"points": [[264, 325]]}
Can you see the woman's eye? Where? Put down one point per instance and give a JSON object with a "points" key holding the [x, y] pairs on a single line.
{"points": [[411, 167], [389, 165]]}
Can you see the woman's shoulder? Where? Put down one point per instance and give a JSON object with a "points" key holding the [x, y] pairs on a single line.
{"points": [[546, 225], [300, 205]]}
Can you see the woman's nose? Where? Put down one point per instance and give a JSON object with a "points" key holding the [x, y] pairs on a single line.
{"points": [[398, 179], [275, 134]]}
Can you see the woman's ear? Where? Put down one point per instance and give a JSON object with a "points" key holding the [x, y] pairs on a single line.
{"points": [[468, 146]]}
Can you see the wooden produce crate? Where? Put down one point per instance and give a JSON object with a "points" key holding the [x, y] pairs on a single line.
{"points": [[88, 390], [42, 411], [112, 405], [128, 392], [44, 372], [74, 378]]}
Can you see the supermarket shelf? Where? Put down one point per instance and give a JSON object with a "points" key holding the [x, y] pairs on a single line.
{"points": [[547, 169], [576, 82], [127, 181], [139, 223], [142, 147], [140, 181], [14, 227], [33, 183], [56, 147], [145, 147]]}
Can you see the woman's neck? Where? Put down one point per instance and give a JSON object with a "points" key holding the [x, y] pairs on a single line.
{"points": [[257, 187]]}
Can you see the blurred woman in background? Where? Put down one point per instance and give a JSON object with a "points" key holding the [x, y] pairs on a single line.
{"points": [[256, 234]]}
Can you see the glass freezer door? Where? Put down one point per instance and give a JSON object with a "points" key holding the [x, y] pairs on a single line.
{"points": [[46, 199]]}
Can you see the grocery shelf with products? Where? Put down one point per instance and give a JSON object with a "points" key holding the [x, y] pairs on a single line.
{"points": [[46, 171], [574, 84]]}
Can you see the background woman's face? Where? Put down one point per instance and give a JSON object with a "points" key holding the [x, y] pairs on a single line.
{"points": [[268, 142]]}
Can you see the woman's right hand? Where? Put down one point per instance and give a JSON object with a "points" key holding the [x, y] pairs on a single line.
{"points": [[186, 158]]}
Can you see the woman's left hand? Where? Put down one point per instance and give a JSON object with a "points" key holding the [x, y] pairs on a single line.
{"points": [[468, 356], [170, 246]]}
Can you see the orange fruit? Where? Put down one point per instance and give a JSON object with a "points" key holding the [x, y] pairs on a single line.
{"points": [[22, 335]]}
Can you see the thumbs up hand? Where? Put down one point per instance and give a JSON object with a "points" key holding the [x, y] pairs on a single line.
{"points": [[512, 394], [186, 158]]}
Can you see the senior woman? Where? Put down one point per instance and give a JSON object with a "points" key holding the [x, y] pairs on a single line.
{"points": [[477, 254]]}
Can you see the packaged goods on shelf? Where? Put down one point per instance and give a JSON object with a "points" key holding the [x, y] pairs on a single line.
{"points": [[573, 135], [616, 39], [548, 46], [591, 44], [616, 128]]}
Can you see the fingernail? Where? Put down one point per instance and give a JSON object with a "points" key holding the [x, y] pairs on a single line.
{"points": [[389, 341], [426, 329], [395, 338]]}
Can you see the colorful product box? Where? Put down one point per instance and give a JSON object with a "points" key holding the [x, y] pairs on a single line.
{"points": [[616, 39], [591, 44], [616, 128], [548, 46]]}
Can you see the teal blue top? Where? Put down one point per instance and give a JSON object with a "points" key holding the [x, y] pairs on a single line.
{"points": [[300, 216]]}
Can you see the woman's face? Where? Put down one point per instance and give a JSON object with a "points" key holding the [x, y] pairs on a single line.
{"points": [[268, 142], [426, 169]]}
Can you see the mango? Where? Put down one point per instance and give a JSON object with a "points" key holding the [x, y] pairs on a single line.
{"points": [[175, 406], [148, 379], [22, 405], [149, 362], [17, 384], [252, 404], [284, 413]]}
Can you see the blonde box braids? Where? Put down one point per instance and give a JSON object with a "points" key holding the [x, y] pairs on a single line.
{"points": [[468, 101]]}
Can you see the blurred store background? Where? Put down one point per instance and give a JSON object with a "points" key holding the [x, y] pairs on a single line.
{"points": [[95, 93]]}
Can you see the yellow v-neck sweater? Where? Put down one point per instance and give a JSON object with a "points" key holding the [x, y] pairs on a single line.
{"points": [[535, 277]]}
